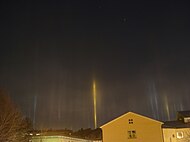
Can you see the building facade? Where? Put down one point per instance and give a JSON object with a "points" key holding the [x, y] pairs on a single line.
{"points": [[179, 130], [132, 127]]}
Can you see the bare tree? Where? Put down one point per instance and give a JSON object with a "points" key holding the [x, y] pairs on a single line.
{"points": [[13, 127]]}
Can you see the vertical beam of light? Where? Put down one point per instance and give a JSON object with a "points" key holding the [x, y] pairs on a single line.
{"points": [[154, 101], [94, 100], [167, 107], [34, 116]]}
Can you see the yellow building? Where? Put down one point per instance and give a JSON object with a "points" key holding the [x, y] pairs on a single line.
{"points": [[132, 127], [176, 133], [179, 130]]}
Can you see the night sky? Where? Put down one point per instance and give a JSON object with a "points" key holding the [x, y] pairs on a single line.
{"points": [[137, 51]]}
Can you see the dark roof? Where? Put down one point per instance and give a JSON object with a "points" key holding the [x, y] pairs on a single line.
{"points": [[175, 124], [184, 113]]}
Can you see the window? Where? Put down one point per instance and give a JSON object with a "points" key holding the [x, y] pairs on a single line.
{"points": [[132, 134], [187, 119], [179, 135], [130, 121]]}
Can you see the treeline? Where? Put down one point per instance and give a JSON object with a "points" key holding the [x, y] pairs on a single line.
{"points": [[94, 134]]}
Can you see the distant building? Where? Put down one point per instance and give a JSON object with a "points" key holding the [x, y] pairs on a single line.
{"points": [[56, 136], [179, 130], [132, 127], [183, 116], [57, 139]]}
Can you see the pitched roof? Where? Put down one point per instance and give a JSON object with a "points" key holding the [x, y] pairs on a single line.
{"points": [[184, 113], [175, 124], [127, 114]]}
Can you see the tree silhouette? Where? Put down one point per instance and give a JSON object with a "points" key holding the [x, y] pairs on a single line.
{"points": [[13, 126]]}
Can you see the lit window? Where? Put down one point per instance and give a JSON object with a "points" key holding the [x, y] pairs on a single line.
{"points": [[187, 119], [179, 135], [132, 134]]}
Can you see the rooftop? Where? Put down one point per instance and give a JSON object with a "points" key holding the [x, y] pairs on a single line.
{"points": [[184, 113], [175, 124]]}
